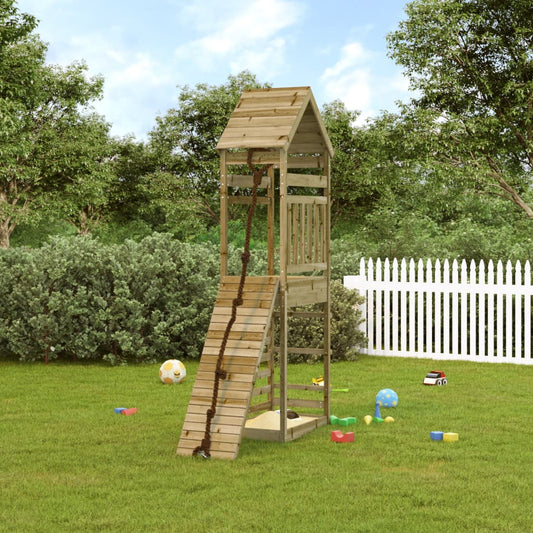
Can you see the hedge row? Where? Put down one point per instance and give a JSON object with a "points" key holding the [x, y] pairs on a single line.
{"points": [[77, 299]]}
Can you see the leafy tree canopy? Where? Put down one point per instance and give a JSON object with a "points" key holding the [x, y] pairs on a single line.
{"points": [[471, 63], [184, 142], [48, 139]]}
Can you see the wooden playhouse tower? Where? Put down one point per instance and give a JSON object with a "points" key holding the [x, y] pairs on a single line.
{"points": [[282, 129]]}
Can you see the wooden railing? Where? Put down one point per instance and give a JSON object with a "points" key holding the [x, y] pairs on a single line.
{"points": [[307, 220]]}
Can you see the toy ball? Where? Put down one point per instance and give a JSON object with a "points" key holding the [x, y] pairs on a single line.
{"points": [[387, 398], [172, 371]]}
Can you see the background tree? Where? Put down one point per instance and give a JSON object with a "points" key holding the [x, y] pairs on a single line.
{"points": [[471, 62], [84, 199], [184, 142], [44, 127]]}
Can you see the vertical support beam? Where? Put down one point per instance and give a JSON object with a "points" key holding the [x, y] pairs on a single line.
{"points": [[270, 364], [283, 262], [271, 245], [271, 222], [327, 304], [223, 214]]}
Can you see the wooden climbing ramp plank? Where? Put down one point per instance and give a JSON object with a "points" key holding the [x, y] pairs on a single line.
{"points": [[241, 359]]}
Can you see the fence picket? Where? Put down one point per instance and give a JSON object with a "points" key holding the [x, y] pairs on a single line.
{"points": [[420, 308], [414, 309], [455, 310], [499, 312], [446, 312], [518, 313], [490, 311], [370, 314], [471, 325], [429, 310], [508, 312], [403, 307], [438, 297], [527, 309], [386, 306], [463, 318], [395, 315], [412, 316], [481, 313], [379, 307]]}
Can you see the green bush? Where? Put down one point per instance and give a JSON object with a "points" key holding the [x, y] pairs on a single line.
{"points": [[76, 299]]}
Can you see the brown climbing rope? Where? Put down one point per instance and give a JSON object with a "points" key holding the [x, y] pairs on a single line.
{"points": [[204, 449]]}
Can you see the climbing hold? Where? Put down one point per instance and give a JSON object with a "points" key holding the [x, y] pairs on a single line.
{"points": [[367, 419], [389, 419], [436, 435]]}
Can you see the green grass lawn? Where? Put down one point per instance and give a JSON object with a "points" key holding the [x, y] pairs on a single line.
{"points": [[69, 463]]}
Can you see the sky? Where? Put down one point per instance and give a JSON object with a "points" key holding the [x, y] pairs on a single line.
{"points": [[147, 50]]}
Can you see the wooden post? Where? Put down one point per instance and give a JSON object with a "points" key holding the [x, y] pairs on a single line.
{"points": [[271, 222], [327, 304], [283, 260], [223, 214]]}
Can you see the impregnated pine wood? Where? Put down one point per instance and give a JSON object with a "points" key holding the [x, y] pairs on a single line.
{"points": [[241, 360], [284, 118]]}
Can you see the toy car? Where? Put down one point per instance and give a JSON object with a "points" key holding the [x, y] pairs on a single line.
{"points": [[435, 377]]}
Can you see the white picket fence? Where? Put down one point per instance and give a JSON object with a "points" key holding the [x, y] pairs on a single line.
{"points": [[446, 312]]}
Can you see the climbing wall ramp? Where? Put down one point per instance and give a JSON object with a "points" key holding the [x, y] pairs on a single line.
{"points": [[242, 356]]}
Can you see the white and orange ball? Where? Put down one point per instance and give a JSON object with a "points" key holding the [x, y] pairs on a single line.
{"points": [[172, 371]]}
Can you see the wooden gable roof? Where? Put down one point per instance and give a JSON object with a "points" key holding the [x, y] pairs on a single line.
{"points": [[279, 118]]}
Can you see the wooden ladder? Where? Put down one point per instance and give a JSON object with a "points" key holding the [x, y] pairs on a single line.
{"points": [[242, 356]]}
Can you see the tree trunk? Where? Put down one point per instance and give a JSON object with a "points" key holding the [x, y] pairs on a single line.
{"points": [[5, 232]]}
